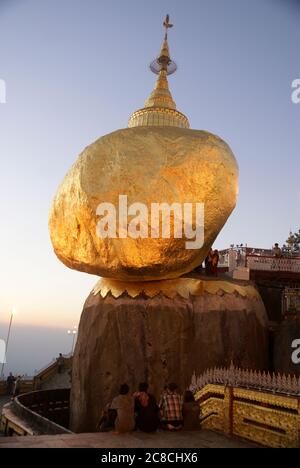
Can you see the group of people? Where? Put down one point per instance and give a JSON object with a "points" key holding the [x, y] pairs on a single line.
{"points": [[140, 411], [13, 384], [211, 263]]}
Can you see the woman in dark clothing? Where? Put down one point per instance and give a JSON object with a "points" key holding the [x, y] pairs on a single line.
{"points": [[146, 409], [191, 412]]}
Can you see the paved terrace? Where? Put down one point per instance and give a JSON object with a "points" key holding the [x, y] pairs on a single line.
{"points": [[199, 439]]}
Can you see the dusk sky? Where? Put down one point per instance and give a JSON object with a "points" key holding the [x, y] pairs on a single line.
{"points": [[76, 69]]}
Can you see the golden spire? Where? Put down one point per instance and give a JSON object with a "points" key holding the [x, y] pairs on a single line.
{"points": [[160, 108], [161, 96]]}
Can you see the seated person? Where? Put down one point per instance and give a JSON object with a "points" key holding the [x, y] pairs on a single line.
{"points": [[171, 408], [146, 409], [124, 406], [190, 412]]}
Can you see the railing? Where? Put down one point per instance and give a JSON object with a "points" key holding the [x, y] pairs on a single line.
{"points": [[258, 413], [54, 360], [35, 383], [48, 371], [26, 386], [270, 420], [259, 260], [236, 377], [271, 263], [39, 412]]}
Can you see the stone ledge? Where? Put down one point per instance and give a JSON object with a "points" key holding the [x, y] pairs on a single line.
{"points": [[200, 439]]}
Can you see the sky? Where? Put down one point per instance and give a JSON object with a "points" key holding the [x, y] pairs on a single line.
{"points": [[76, 69], [31, 348]]}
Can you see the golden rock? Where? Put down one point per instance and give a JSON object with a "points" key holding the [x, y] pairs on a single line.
{"points": [[148, 164], [158, 159]]}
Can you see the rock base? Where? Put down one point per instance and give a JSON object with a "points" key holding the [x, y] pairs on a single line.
{"points": [[160, 332]]}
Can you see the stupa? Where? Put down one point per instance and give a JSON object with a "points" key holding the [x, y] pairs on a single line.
{"points": [[149, 318], [157, 159]]}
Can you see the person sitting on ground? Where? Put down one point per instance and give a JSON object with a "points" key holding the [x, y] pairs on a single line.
{"points": [[277, 250], [146, 409], [171, 408], [190, 412], [124, 406]]}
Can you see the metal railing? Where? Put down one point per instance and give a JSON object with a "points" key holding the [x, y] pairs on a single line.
{"points": [[35, 383]]}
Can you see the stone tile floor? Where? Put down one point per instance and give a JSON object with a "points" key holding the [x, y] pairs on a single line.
{"points": [[200, 439]]}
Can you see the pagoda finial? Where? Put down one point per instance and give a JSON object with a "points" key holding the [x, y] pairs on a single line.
{"points": [[160, 108], [163, 61], [167, 25]]}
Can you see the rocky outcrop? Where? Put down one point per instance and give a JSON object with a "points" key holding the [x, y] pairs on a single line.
{"points": [[160, 339], [148, 166]]}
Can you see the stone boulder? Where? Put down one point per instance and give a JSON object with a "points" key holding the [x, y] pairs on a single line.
{"points": [[160, 332], [149, 165]]}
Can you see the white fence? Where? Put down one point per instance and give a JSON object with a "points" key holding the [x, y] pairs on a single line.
{"points": [[255, 262]]}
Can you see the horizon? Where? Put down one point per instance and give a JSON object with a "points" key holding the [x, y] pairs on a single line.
{"points": [[23, 358], [75, 72]]}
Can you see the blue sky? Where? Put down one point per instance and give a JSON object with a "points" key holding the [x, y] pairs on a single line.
{"points": [[75, 70]]}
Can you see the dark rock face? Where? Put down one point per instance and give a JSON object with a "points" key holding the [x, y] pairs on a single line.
{"points": [[271, 297], [160, 340], [288, 331]]}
